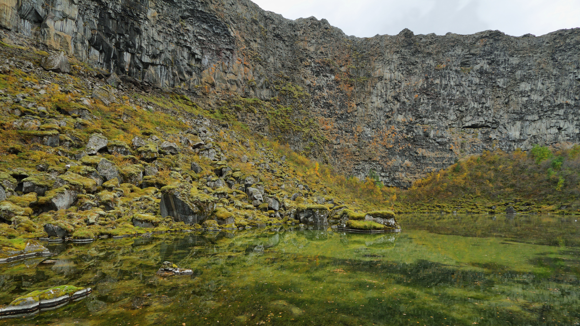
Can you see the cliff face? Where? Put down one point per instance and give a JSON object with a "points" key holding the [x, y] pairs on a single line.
{"points": [[401, 106]]}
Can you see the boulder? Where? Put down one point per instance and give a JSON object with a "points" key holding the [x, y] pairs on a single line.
{"points": [[96, 143], [57, 199], [313, 214], [148, 152], [385, 218], [118, 147], [108, 170], [57, 62], [273, 203], [138, 142], [2, 194], [132, 174], [78, 182], [9, 210], [38, 183], [510, 210], [186, 204], [169, 148], [145, 220], [196, 168], [104, 95], [224, 217], [255, 195], [114, 80], [59, 229]]}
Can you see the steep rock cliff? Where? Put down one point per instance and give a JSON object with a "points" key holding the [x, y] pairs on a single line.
{"points": [[400, 106]]}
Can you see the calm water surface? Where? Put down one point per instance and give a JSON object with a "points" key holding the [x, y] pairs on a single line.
{"points": [[466, 270]]}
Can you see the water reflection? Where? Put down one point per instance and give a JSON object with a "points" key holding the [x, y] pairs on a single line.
{"points": [[437, 272]]}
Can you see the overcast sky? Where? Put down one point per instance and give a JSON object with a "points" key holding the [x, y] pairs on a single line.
{"points": [[365, 18]]}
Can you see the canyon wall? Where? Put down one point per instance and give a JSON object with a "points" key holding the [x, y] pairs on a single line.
{"points": [[396, 106]]}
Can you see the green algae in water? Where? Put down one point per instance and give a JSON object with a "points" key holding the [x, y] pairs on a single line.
{"points": [[319, 277]]}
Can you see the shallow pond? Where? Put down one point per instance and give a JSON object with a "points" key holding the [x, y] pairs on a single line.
{"points": [[521, 270]]}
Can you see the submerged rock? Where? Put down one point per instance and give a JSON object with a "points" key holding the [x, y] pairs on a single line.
{"points": [[32, 249], [170, 269], [39, 301]]}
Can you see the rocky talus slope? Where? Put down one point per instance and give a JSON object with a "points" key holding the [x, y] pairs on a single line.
{"points": [[400, 106], [80, 159]]}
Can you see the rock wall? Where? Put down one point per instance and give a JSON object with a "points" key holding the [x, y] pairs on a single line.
{"points": [[400, 106]]}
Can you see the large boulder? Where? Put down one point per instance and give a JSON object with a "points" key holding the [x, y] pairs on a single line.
{"points": [[313, 214], [2, 194], [57, 62], [145, 220], [96, 143], [186, 204]]}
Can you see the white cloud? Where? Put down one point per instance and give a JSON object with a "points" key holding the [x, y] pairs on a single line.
{"points": [[369, 17]]}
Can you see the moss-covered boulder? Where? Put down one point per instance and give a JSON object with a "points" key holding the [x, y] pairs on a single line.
{"points": [[46, 295], [148, 152], [186, 204], [386, 218], [97, 142], [9, 210], [108, 170], [57, 199], [118, 147], [146, 220], [18, 248], [223, 216], [8, 182], [59, 229], [79, 183], [132, 173], [312, 214], [25, 200], [108, 199], [38, 183], [364, 225]]}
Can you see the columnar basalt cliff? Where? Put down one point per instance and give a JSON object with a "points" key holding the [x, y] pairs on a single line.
{"points": [[400, 106]]}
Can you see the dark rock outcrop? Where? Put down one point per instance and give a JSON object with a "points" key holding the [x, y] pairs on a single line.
{"points": [[186, 204]]}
